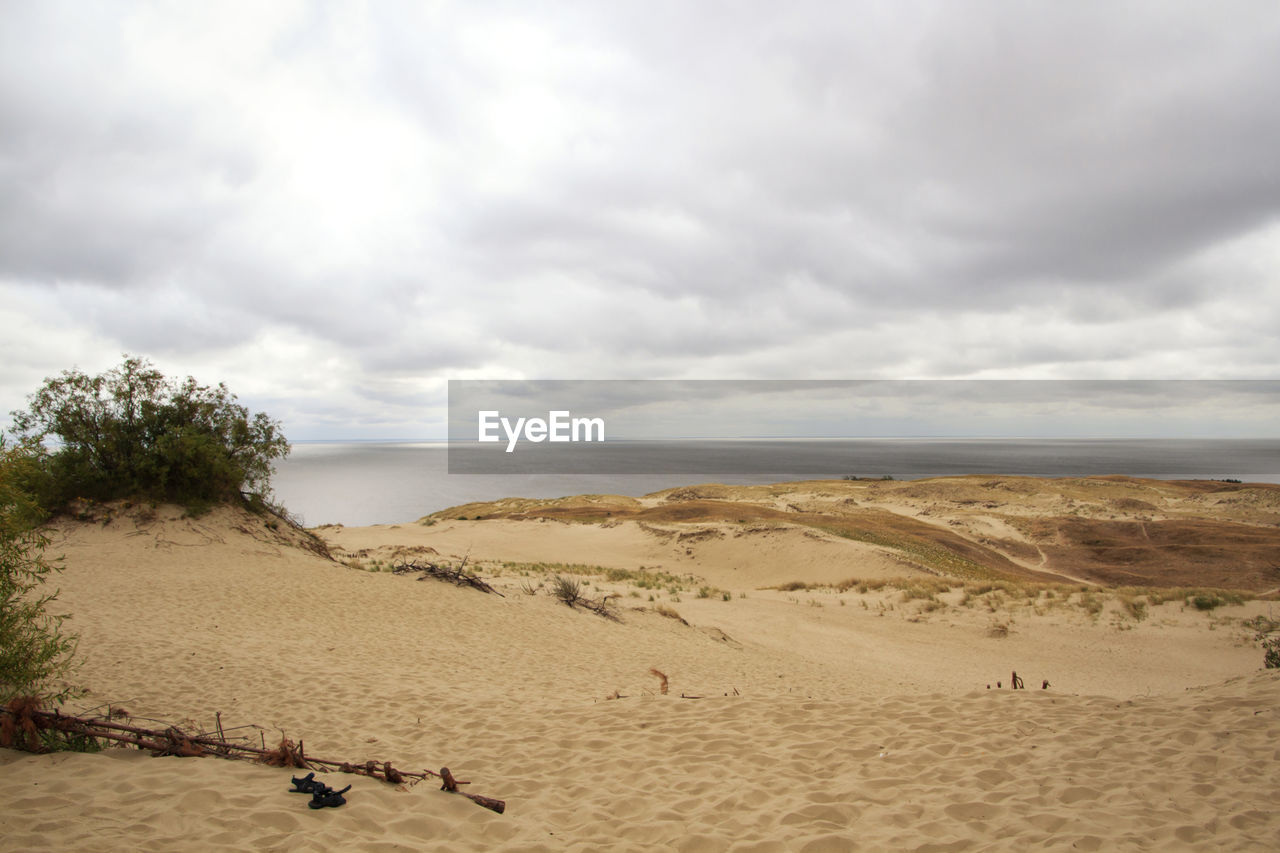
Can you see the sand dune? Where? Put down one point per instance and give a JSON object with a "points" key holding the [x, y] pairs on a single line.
{"points": [[826, 719], [1106, 530]]}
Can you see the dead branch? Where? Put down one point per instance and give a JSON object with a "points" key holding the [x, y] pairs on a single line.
{"points": [[22, 720], [222, 736], [451, 785], [459, 576], [601, 607]]}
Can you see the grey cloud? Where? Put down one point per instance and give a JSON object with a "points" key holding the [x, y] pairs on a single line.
{"points": [[1099, 141], [659, 189], [100, 186]]}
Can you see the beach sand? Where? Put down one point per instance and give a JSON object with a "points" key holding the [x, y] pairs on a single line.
{"points": [[800, 719]]}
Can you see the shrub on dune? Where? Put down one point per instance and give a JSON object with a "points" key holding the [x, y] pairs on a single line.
{"points": [[132, 433], [34, 652]]}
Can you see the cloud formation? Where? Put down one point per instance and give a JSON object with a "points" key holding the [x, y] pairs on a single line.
{"points": [[336, 207]]}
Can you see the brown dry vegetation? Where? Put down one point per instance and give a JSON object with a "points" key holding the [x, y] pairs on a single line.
{"points": [[1102, 530]]}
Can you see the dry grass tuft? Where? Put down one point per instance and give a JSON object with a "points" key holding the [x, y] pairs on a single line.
{"points": [[670, 613], [568, 590], [1136, 607]]}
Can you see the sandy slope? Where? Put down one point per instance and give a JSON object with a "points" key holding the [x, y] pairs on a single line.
{"points": [[1106, 530], [746, 557], [843, 727]]}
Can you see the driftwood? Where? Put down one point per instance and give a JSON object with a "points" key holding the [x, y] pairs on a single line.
{"points": [[451, 785], [22, 721], [458, 576]]}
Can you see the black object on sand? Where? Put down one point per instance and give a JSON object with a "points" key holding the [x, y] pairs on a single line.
{"points": [[328, 797], [306, 785]]}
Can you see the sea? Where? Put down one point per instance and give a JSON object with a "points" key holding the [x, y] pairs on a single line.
{"points": [[394, 482]]}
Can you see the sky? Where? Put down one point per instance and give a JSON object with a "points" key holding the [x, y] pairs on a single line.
{"points": [[334, 208]]}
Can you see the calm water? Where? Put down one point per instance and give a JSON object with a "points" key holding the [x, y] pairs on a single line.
{"points": [[356, 483]]}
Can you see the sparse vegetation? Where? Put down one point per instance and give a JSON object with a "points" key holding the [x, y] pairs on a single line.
{"points": [[1091, 603], [641, 578], [1267, 634], [1271, 652], [567, 590], [670, 613], [1000, 596], [34, 651], [1206, 601], [1136, 607], [926, 592]]}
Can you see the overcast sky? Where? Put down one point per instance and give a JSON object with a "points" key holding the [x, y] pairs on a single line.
{"points": [[335, 207]]}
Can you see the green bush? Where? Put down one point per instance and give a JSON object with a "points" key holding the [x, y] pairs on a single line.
{"points": [[132, 433], [1270, 652], [34, 652]]}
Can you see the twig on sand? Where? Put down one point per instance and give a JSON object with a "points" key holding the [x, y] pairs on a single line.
{"points": [[458, 576]]}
